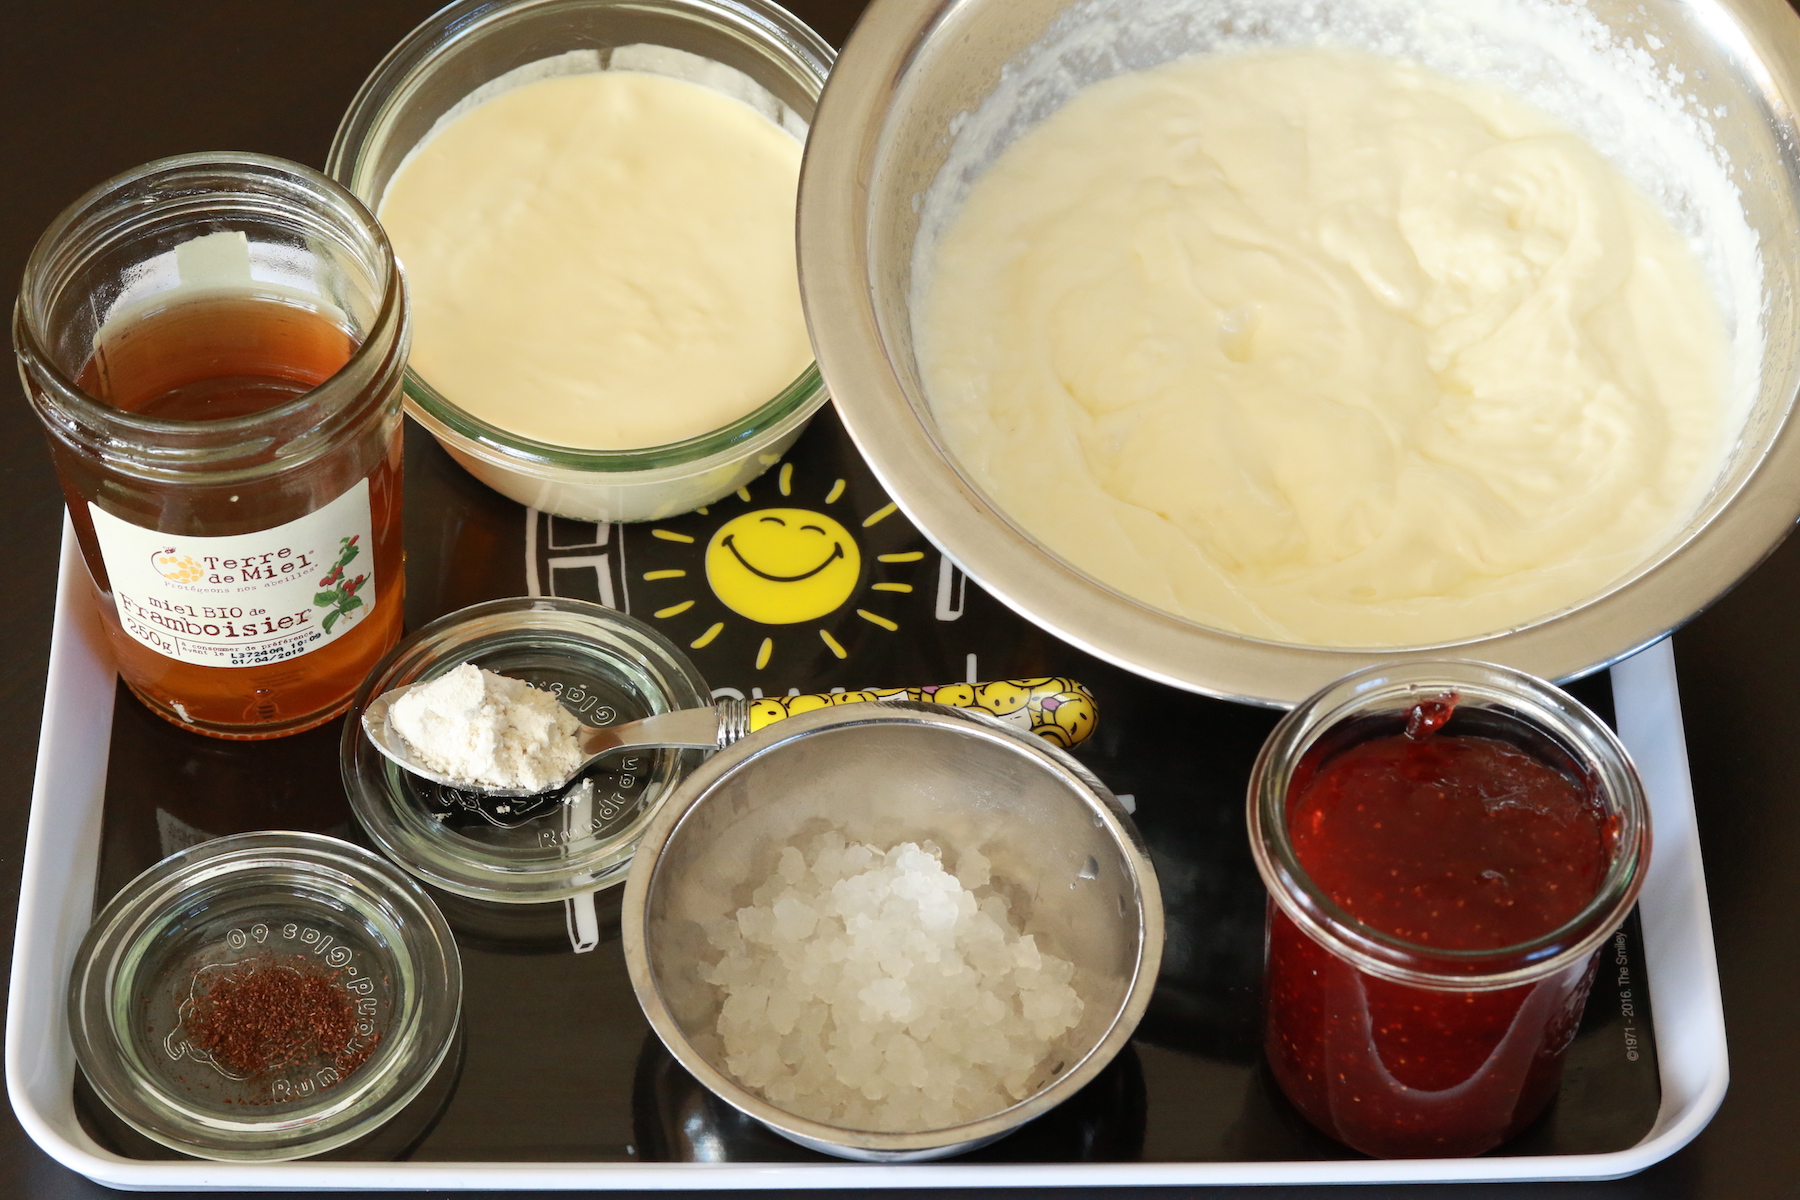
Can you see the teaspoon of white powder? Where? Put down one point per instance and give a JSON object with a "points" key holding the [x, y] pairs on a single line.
{"points": [[480, 729], [873, 989]]}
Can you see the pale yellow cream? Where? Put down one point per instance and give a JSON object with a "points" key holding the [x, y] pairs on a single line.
{"points": [[603, 261], [1325, 348]]}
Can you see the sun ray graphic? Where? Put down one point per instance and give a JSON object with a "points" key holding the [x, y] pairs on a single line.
{"points": [[783, 561]]}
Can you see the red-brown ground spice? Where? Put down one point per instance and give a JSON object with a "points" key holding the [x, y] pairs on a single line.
{"points": [[271, 1016]]}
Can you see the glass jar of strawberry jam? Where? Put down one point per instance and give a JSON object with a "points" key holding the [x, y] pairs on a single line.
{"points": [[215, 345], [1446, 845]]}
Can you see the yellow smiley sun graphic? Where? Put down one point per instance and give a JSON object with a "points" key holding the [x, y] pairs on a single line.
{"points": [[779, 563], [781, 566]]}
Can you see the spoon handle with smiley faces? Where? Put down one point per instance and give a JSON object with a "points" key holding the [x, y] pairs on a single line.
{"points": [[1059, 710]]}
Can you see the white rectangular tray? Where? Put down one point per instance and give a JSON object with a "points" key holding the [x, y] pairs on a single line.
{"points": [[57, 901]]}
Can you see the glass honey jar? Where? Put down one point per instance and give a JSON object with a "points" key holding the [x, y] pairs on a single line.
{"points": [[215, 345]]}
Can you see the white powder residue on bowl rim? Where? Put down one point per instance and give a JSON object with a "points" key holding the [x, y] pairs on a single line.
{"points": [[475, 727], [1554, 54], [874, 990]]}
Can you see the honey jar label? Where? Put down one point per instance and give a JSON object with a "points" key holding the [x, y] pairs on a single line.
{"points": [[248, 599]]}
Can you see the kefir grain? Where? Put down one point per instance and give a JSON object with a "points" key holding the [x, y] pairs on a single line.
{"points": [[874, 990]]}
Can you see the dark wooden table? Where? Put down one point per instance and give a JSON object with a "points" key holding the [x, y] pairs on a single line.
{"points": [[91, 87]]}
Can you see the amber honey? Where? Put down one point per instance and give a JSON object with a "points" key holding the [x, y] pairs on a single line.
{"points": [[220, 359], [216, 357]]}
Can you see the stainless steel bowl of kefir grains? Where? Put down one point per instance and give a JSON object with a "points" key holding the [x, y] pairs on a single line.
{"points": [[892, 932]]}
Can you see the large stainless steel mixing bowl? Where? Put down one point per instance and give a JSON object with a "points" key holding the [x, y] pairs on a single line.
{"points": [[884, 128]]}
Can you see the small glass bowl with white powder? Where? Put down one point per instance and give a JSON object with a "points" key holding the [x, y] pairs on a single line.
{"points": [[892, 934], [602, 668]]}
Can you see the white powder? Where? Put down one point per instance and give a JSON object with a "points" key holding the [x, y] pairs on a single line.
{"points": [[475, 727], [875, 990]]}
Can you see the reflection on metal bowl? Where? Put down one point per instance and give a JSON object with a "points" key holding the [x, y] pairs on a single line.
{"points": [[915, 70]]}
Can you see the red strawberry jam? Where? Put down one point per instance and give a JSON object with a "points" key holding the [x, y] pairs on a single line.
{"points": [[1451, 843]]}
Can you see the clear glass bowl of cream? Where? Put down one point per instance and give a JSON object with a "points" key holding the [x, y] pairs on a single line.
{"points": [[475, 52]]}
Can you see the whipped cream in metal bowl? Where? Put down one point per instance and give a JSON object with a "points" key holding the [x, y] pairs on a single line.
{"points": [[1347, 332], [1318, 334]]}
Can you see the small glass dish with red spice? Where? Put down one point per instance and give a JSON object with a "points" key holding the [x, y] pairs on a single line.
{"points": [[264, 997], [1446, 845]]}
